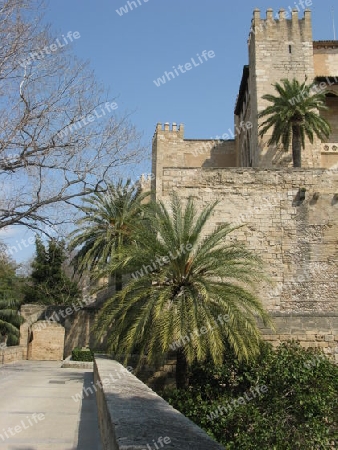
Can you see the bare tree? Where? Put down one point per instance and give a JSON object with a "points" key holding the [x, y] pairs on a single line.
{"points": [[60, 134]]}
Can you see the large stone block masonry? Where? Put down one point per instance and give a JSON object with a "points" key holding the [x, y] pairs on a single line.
{"points": [[297, 239]]}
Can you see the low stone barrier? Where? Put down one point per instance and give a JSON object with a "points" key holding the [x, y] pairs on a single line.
{"points": [[68, 363], [133, 417], [12, 354]]}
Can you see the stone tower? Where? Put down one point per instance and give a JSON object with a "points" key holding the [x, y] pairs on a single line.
{"points": [[279, 47], [170, 149], [288, 215]]}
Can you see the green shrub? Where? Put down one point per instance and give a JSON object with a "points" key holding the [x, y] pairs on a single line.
{"points": [[82, 355], [299, 411]]}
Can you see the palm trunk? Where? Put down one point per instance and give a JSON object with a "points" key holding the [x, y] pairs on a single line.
{"points": [[118, 282], [182, 375], [296, 146], [118, 275]]}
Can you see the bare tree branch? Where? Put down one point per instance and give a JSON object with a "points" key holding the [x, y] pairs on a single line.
{"points": [[60, 134]]}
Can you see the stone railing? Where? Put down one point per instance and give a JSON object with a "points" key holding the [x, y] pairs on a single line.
{"points": [[330, 148], [132, 416], [12, 354]]}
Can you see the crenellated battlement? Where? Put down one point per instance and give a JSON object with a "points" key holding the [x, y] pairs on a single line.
{"points": [[284, 22], [169, 127], [165, 128]]}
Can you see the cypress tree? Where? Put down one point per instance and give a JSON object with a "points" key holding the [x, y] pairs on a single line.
{"points": [[49, 283]]}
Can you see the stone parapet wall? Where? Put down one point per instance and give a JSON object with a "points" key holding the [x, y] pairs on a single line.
{"points": [[132, 416], [12, 354]]}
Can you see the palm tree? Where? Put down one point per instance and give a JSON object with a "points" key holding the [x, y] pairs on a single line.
{"points": [[294, 115], [107, 223], [10, 320], [181, 285], [10, 301]]}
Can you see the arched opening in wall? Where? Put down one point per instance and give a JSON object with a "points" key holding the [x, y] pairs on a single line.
{"points": [[331, 115]]}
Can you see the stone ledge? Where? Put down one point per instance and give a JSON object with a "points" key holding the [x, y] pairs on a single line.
{"points": [[260, 170], [12, 354], [68, 363], [310, 314], [133, 417]]}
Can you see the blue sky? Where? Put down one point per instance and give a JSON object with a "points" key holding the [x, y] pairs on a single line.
{"points": [[128, 51]]}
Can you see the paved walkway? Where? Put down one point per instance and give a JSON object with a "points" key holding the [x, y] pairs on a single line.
{"points": [[37, 411]]}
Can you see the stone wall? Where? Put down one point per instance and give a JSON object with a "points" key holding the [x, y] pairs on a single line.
{"points": [[325, 55], [132, 416], [75, 322], [46, 341], [170, 148], [297, 239], [12, 354], [279, 47], [78, 331], [51, 333], [30, 313], [318, 330]]}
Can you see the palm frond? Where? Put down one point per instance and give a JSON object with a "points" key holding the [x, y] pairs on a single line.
{"points": [[297, 104], [208, 276]]}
